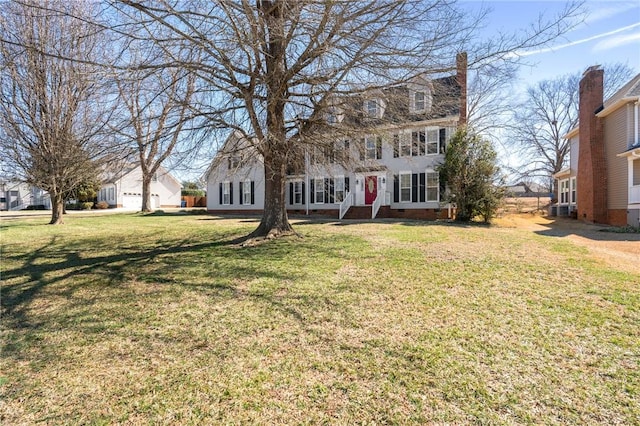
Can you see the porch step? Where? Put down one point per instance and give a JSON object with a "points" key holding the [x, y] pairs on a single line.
{"points": [[364, 212]]}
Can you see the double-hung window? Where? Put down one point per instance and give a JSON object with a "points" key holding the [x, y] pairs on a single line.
{"points": [[246, 192], [405, 187], [433, 186], [419, 101], [564, 191], [226, 193], [297, 192], [319, 190], [339, 189], [373, 147], [371, 106], [433, 138]]}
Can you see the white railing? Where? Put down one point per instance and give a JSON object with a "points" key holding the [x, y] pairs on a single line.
{"points": [[376, 205], [346, 204], [634, 194]]}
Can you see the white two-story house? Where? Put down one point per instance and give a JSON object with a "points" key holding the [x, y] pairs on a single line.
{"points": [[389, 169]]}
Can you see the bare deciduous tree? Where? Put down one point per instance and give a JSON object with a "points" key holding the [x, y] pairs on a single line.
{"points": [[549, 112], [51, 110], [156, 108], [273, 68]]}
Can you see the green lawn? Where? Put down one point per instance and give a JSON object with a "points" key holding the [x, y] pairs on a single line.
{"points": [[161, 319]]}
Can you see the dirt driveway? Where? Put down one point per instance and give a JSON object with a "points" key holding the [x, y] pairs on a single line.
{"points": [[617, 249]]}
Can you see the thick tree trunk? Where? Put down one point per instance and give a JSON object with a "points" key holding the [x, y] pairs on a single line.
{"points": [[146, 194], [274, 217], [57, 209], [275, 221]]}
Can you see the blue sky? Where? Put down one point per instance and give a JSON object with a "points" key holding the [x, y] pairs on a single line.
{"points": [[610, 33]]}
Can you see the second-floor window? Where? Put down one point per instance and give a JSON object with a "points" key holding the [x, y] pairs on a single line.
{"points": [[373, 148]]}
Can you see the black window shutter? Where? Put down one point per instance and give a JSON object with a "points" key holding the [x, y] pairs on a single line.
{"points": [[290, 192], [241, 193], [396, 189], [230, 192], [331, 191], [326, 190], [363, 145], [443, 140], [422, 188], [379, 147], [346, 184], [253, 198], [396, 146], [303, 193], [414, 187], [220, 193], [312, 198], [422, 141], [415, 143]]}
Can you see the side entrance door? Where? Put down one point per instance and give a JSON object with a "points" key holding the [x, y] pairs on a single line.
{"points": [[370, 189]]}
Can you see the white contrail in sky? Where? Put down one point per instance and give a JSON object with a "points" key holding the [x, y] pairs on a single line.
{"points": [[584, 40]]}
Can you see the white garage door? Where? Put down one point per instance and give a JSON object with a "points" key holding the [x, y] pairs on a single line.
{"points": [[132, 202]]}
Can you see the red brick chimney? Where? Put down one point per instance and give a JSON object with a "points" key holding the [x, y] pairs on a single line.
{"points": [[592, 168], [461, 76]]}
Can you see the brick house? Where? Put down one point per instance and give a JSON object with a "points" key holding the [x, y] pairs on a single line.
{"points": [[602, 182], [392, 170]]}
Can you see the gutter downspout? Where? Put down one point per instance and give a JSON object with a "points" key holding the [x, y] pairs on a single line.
{"points": [[306, 181], [637, 125]]}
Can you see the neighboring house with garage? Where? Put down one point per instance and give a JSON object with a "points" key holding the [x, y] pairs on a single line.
{"points": [[602, 182], [16, 195], [123, 188], [392, 170]]}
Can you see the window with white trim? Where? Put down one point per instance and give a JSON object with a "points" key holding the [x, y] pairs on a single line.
{"points": [[419, 101], [226, 193], [318, 185], [246, 192], [564, 191], [371, 107], [112, 196], [433, 138], [404, 145], [297, 192], [417, 142], [373, 147], [338, 189], [405, 187], [433, 186]]}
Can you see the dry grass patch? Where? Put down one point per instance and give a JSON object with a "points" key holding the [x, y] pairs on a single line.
{"points": [[162, 319]]}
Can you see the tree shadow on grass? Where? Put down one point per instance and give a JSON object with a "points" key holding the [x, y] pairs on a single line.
{"points": [[563, 227], [51, 264]]}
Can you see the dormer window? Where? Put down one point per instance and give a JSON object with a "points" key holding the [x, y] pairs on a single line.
{"points": [[332, 116], [419, 101], [371, 106], [374, 107]]}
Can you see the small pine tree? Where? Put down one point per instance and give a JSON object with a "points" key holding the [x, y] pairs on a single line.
{"points": [[470, 173]]}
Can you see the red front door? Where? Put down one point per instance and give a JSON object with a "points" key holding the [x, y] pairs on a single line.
{"points": [[370, 189]]}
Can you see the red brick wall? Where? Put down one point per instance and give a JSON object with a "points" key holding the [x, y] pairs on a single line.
{"points": [[461, 76], [617, 217], [592, 169]]}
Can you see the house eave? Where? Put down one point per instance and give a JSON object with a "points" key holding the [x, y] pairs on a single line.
{"points": [[633, 152], [562, 173], [617, 105], [574, 132]]}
